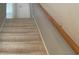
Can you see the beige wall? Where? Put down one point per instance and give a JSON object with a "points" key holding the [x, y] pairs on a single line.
{"points": [[67, 15], [53, 40]]}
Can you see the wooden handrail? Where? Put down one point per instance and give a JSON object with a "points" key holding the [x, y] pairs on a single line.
{"points": [[63, 33]]}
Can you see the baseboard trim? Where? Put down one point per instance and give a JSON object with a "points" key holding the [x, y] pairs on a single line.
{"points": [[41, 36], [63, 33]]}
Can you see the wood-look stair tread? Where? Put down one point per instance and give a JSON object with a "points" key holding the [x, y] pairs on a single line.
{"points": [[21, 46], [19, 24], [19, 27], [28, 30], [21, 36]]}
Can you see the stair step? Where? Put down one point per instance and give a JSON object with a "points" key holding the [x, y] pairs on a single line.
{"points": [[21, 30], [19, 24], [20, 46], [21, 36]]}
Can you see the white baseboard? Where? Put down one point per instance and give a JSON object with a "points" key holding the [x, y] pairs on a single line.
{"points": [[41, 36]]}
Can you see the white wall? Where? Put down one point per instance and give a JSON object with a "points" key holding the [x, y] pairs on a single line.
{"points": [[67, 15], [22, 10]]}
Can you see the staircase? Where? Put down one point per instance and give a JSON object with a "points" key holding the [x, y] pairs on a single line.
{"points": [[21, 36]]}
